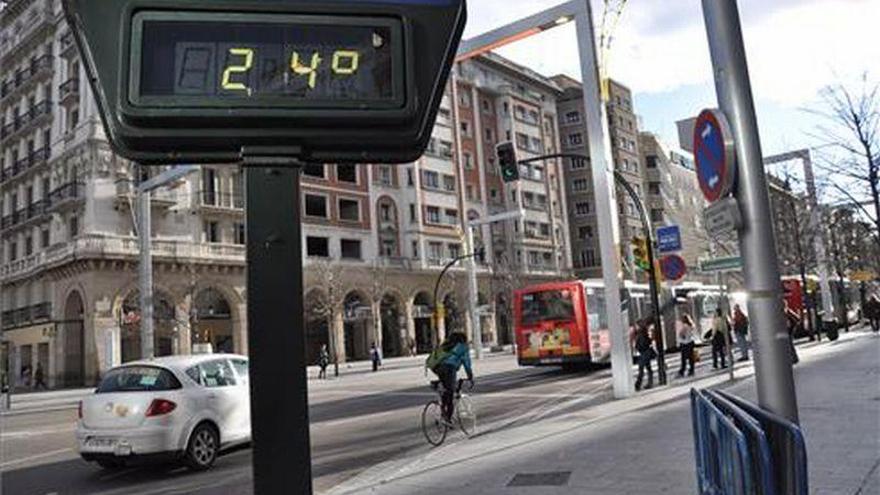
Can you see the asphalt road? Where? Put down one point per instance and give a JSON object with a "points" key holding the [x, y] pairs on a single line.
{"points": [[357, 421]]}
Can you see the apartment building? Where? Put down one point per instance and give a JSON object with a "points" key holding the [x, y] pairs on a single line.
{"points": [[623, 126], [673, 197], [375, 236]]}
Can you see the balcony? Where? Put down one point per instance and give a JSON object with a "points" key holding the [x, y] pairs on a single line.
{"points": [[68, 194], [37, 114], [26, 315], [37, 157], [68, 46], [68, 92], [40, 68], [221, 201]]}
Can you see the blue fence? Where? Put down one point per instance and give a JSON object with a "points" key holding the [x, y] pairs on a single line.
{"points": [[741, 449]]}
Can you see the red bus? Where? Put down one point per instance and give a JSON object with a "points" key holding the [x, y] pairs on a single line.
{"points": [[561, 323]]}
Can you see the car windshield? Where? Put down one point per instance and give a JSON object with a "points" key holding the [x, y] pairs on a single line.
{"points": [[547, 305], [138, 379]]}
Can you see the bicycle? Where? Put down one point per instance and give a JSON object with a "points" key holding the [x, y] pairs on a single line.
{"points": [[435, 428]]}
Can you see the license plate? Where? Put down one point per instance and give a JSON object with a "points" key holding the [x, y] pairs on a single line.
{"points": [[101, 443]]}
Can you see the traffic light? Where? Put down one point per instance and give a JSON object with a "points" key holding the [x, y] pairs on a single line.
{"points": [[640, 252], [507, 162]]}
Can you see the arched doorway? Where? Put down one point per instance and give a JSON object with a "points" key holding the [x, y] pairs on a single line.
{"points": [[422, 308], [454, 316], [317, 326], [71, 330], [212, 323], [356, 317], [392, 326], [164, 326]]}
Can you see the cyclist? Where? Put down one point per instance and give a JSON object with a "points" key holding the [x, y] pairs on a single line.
{"points": [[458, 354]]}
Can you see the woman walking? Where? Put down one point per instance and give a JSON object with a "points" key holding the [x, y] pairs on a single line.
{"points": [[720, 330], [686, 345], [646, 351]]}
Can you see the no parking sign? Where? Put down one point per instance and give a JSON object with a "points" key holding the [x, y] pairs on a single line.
{"points": [[714, 154]]}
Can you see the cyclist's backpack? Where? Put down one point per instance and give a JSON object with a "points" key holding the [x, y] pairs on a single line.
{"points": [[437, 356]]}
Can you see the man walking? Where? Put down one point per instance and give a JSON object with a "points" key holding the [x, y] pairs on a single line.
{"points": [[741, 330], [375, 357], [323, 362], [39, 378]]}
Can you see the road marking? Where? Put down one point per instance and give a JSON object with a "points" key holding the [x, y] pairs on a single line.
{"points": [[35, 457]]}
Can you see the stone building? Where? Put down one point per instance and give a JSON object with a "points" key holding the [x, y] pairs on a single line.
{"points": [[375, 237]]}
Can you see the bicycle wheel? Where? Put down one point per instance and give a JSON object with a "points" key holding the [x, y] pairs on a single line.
{"points": [[467, 415], [433, 426]]}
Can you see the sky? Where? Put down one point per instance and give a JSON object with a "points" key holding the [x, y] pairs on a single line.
{"points": [[794, 49]]}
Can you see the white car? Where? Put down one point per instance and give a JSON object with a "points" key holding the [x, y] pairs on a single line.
{"points": [[185, 408]]}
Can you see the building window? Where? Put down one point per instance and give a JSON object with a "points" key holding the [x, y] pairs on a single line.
{"points": [[73, 226], [410, 181], [545, 230], [13, 251], [430, 180], [487, 108], [490, 136], [588, 258], [654, 187], [385, 212], [350, 210], [464, 99], [451, 216], [350, 249], [435, 252], [493, 193], [656, 215], [240, 235], [432, 214], [465, 129], [582, 208], [468, 161], [585, 232], [573, 117], [385, 176], [577, 163], [346, 173], [28, 245], [454, 251], [212, 232], [651, 161], [415, 249], [318, 247], [446, 149], [575, 139], [72, 119], [580, 185], [44, 237], [469, 192], [412, 213], [312, 170], [388, 248], [449, 183], [316, 206]]}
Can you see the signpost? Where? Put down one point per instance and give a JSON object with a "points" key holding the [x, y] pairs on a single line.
{"points": [[269, 84], [673, 267], [669, 239], [723, 217], [729, 264]]}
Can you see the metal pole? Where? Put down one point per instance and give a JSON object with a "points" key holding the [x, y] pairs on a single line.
{"points": [[276, 339], [774, 379], [819, 237], [606, 204], [473, 294], [146, 273]]}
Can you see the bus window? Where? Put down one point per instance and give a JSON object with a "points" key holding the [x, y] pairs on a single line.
{"points": [[548, 305], [596, 313]]}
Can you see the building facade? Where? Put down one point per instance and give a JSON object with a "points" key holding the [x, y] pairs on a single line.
{"points": [[623, 126], [375, 237]]}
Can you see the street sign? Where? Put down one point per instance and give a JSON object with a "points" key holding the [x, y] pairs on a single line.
{"points": [[321, 80], [727, 264], [673, 267], [714, 154], [669, 239], [723, 217]]}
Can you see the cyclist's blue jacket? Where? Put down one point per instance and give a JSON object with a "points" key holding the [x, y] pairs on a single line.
{"points": [[459, 356]]}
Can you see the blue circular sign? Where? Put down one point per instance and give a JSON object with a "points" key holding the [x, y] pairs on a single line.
{"points": [[714, 155], [673, 267]]}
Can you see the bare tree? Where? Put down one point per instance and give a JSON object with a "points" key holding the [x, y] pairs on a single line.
{"points": [[852, 128], [327, 303], [377, 285]]}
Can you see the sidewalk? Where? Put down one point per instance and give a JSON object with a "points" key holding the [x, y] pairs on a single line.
{"points": [[643, 445]]}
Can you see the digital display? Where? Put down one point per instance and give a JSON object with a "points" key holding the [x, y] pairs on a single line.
{"points": [[216, 59]]}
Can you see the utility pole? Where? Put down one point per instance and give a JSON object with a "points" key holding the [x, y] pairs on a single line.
{"points": [[775, 383], [145, 266]]}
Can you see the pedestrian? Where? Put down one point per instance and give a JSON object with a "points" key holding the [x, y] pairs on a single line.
{"points": [[792, 321], [323, 362], [872, 312], [741, 330], [720, 337], [26, 375], [687, 345], [375, 357], [39, 379], [646, 351]]}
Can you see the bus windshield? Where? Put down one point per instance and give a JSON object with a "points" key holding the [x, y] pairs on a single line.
{"points": [[547, 306]]}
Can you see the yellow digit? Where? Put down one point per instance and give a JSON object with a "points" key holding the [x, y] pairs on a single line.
{"points": [[351, 56], [248, 55], [310, 70]]}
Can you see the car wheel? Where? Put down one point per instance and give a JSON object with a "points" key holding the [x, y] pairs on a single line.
{"points": [[111, 463], [203, 447]]}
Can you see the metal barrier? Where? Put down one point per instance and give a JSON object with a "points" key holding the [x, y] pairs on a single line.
{"points": [[740, 449]]}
